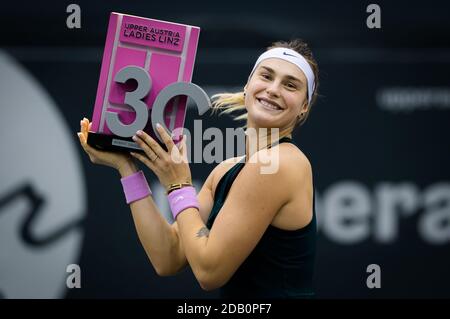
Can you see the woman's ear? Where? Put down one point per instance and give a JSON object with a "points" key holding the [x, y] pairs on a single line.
{"points": [[305, 106]]}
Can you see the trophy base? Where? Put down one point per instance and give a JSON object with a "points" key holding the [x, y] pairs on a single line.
{"points": [[113, 143]]}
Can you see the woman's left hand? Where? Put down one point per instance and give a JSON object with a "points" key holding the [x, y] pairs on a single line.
{"points": [[170, 167]]}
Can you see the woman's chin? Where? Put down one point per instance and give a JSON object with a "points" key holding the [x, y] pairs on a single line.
{"points": [[263, 119], [264, 123]]}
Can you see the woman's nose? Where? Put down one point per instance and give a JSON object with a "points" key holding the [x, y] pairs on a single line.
{"points": [[273, 89]]}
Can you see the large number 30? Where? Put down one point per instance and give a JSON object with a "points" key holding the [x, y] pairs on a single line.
{"points": [[134, 100]]}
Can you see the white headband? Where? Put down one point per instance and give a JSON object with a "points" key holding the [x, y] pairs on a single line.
{"points": [[293, 57]]}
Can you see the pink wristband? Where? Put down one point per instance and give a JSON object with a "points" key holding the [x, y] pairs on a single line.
{"points": [[182, 198], [135, 187]]}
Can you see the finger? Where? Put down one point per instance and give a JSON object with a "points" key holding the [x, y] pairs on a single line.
{"points": [[85, 133], [80, 137], [84, 144], [177, 153], [151, 143], [84, 127], [83, 139], [145, 147], [165, 136], [87, 125], [81, 134], [184, 148], [180, 145], [179, 142]]}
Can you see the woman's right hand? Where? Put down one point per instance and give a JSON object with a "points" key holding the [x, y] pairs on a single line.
{"points": [[111, 159]]}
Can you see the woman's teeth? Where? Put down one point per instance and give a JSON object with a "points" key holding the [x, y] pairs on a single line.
{"points": [[268, 105]]}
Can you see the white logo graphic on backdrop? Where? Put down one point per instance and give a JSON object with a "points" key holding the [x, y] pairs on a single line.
{"points": [[350, 213], [42, 197], [409, 99]]}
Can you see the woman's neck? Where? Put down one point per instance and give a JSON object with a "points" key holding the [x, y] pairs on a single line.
{"points": [[259, 138]]}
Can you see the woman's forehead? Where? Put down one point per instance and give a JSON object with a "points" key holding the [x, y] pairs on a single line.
{"points": [[282, 68]]}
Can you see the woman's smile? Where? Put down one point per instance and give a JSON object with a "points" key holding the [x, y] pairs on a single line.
{"points": [[265, 104]]}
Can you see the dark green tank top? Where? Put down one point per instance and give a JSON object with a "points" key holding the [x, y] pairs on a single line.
{"points": [[281, 265]]}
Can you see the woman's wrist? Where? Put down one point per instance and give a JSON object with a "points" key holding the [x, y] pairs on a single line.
{"points": [[127, 168], [182, 198], [135, 187], [174, 186]]}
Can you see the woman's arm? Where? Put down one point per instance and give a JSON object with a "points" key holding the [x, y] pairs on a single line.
{"points": [[252, 203], [161, 240]]}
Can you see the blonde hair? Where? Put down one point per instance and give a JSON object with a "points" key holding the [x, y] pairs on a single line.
{"points": [[231, 102]]}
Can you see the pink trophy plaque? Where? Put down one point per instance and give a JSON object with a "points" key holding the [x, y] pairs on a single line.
{"points": [[144, 79]]}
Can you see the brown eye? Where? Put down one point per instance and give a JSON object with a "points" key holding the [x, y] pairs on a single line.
{"points": [[265, 76], [291, 86]]}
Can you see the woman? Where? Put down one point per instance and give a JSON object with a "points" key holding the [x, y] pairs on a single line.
{"points": [[248, 233]]}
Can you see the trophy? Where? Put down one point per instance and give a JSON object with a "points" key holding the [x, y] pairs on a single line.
{"points": [[144, 79]]}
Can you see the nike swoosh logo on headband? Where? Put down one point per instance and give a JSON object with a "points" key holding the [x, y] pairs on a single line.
{"points": [[284, 53]]}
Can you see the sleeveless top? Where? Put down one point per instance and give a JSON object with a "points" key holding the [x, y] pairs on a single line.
{"points": [[282, 263]]}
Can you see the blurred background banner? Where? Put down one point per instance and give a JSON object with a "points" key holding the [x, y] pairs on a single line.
{"points": [[378, 141]]}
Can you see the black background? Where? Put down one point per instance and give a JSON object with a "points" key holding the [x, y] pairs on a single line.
{"points": [[348, 136]]}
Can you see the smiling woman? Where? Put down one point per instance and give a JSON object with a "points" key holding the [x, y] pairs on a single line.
{"points": [[298, 51], [249, 233]]}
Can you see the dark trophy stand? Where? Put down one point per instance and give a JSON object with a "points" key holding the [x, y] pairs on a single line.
{"points": [[115, 143], [112, 143]]}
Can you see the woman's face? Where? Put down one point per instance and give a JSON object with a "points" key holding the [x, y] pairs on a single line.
{"points": [[275, 95]]}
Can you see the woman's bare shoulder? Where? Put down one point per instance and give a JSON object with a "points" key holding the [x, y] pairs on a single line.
{"points": [[294, 161], [293, 153], [219, 171]]}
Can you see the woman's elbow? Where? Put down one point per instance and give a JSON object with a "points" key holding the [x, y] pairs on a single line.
{"points": [[163, 272], [209, 286], [210, 281], [168, 271]]}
